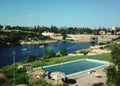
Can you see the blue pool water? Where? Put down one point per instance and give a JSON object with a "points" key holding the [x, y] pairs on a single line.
{"points": [[74, 67]]}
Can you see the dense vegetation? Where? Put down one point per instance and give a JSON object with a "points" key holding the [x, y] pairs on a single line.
{"points": [[15, 37], [18, 33], [63, 52], [113, 71]]}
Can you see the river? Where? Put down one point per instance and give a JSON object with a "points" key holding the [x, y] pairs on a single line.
{"points": [[22, 51]]}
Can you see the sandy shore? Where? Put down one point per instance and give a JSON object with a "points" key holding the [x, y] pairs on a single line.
{"points": [[88, 79], [37, 42], [94, 50]]}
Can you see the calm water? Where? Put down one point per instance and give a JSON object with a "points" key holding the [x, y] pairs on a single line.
{"points": [[74, 67], [22, 51]]}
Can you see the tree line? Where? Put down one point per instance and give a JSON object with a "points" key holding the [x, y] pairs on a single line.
{"points": [[17, 33]]}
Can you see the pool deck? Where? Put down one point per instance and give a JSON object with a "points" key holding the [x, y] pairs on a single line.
{"points": [[88, 79], [85, 78]]}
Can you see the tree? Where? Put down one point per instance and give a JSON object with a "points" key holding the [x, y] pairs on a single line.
{"points": [[49, 54], [14, 37], [1, 27], [63, 33], [116, 55], [31, 58], [113, 71], [63, 52], [54, 29]]}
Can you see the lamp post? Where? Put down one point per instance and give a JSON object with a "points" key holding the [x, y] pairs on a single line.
{"points": [[14, 53]]}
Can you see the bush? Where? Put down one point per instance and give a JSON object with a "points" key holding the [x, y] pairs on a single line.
{"points": [[22, 79], [101, 43], [102, 48], [85, 52], [39, 82], [63, 52], [49, 54], [31, 58], [113, 71]]}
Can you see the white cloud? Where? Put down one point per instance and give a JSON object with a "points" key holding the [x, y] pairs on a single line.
{"points": [[31, 15], [34, 15], [10, 18]]}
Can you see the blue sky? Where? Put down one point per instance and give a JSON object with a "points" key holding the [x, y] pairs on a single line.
{"points": [[75, 13]]}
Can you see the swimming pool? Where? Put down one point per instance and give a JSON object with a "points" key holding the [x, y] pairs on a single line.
{"points": [[75, 67]]}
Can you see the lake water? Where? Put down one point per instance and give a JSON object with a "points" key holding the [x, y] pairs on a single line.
{"points": [[22, 51]]}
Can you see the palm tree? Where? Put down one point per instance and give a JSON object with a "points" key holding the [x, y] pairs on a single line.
{"points": [[116, 55]]}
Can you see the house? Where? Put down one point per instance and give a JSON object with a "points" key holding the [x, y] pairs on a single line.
{"points": [[102, 32], [5, 27], [51, 34]]}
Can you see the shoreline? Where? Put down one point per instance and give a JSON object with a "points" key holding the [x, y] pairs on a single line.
{"points": [[47, 42], [93, 50], [38, 42]]}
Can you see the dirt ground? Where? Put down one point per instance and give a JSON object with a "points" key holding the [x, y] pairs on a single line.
{"points": [[88, 79]]}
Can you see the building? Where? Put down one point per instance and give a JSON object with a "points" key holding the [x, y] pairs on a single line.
{"points": [[113, 29], [102, 32], [5, 27], [51, 34]]}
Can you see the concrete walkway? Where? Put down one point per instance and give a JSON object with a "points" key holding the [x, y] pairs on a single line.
{"points": [[88, 79]]}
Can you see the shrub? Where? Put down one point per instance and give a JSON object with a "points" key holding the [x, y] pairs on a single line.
{"points": [[22, 79], [49, 54], [85, 52], [63, 52], [101, 43], [101, 47], [113, 71], [31, 58], [39, 82]]}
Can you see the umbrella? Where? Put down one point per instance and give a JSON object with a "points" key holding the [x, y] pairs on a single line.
{"points": [[57, 75]]}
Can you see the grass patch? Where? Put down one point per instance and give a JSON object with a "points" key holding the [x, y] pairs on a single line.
{"points": [[104, 57]]}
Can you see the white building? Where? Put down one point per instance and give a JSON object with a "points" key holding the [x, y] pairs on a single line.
{"points": [[51, 34], [5, 27], [113, 29], [102, 32]]}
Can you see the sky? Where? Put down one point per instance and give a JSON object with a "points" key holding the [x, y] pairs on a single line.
{"points": [[61, 13]]}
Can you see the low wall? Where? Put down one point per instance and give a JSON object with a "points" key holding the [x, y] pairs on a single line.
{"points": [[86, 38]]}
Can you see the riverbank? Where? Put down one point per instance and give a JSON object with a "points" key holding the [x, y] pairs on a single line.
{"points": [[38, 42], [93, 50]]}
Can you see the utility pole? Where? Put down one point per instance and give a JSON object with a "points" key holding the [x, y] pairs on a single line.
{"points": [[14, 53]]}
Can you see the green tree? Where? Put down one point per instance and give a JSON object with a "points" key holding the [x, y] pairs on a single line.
{"points": [[31, 58], [14, 37], [116, 55], [63, 52], [113, 71], [63, 33], [49, 54]]}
